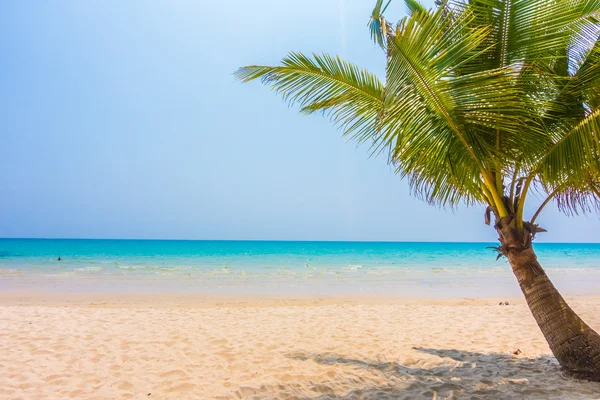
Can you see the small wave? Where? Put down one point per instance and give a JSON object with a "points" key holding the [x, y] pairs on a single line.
{"points": [[71, 273], [438, 270], [128, 267], [352, 267], [154, 267], [91, 269], [163, 273]]}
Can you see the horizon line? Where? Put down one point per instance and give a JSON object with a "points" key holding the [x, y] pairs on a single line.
{"points": [[273, 240]]}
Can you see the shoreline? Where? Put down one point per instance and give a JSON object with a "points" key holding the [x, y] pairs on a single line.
{"points": [[401, 289]]}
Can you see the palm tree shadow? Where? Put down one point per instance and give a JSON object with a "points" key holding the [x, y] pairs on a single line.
{"points": [[439, 374]]}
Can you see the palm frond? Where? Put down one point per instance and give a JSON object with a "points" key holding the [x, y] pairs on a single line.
{"points": [[378, 26], [579, 197], [574, 155], [529, 31], [413, 6], [352, 97], [442, 110]]}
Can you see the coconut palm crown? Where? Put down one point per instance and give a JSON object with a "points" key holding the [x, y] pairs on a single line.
{"points": [[484, 102]]}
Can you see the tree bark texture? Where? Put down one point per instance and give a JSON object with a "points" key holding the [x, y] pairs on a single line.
{"points": [[575, 345]]}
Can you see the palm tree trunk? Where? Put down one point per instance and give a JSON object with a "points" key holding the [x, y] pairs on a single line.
{"points": [[575, 345]]}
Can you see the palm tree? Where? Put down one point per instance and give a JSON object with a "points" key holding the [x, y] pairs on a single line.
{"points": [[484, 102]]}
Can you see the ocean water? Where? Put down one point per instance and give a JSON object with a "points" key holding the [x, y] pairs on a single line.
{"points": [[276, 267]]}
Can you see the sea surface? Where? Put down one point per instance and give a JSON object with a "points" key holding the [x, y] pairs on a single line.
{"points": [[408, 269]]}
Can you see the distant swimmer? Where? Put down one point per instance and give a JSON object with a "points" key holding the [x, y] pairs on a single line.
{"points": [[58, 259]]}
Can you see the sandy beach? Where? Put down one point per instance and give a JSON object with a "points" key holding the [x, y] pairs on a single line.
{"points": [[176, 347]]}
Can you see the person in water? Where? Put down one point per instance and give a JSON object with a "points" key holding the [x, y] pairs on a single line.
{"points": [[58, 259]]}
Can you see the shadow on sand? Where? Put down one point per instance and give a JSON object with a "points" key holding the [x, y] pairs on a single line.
{"points": [[436, 374]]}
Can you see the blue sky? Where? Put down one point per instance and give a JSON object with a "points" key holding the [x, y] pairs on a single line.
{"points": [[123, 120]]}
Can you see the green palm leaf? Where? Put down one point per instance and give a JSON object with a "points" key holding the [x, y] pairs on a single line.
{"points": [[352, 97], [575, 154], [377, 23]]}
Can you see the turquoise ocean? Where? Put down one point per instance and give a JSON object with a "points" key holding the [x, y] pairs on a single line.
{"points": [[278, 267]]}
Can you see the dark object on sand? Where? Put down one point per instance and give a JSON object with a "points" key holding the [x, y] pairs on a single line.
{"points": [[517, 352]]}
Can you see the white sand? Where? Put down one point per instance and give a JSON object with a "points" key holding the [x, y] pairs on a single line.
{"points": [[173, 347]]}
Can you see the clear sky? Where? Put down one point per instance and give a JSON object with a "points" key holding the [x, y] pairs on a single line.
{"points": [[121, 119]]}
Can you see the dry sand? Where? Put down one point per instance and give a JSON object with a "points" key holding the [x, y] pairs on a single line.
{"points": [[173, 347]]}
